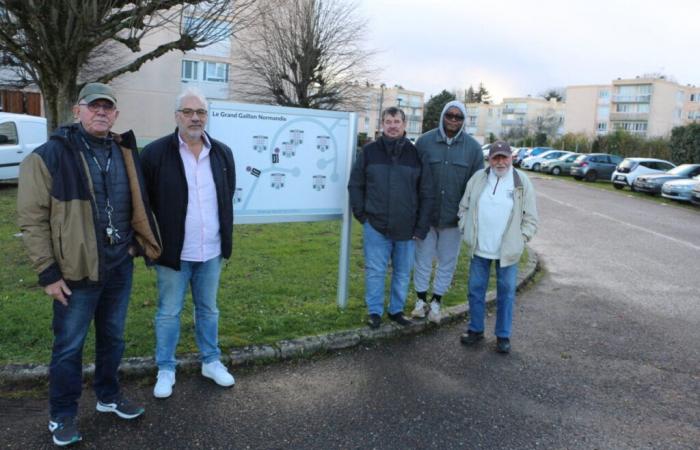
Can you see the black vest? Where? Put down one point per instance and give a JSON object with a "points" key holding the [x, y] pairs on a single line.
{"points": [[116, 183]]}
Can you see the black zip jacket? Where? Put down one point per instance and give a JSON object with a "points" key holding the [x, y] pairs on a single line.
{"points": [[391, 187], [167, 191]]}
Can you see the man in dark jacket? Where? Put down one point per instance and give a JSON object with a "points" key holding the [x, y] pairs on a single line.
{"points": [[190, 179], [391, 195], [83, 215], [454, 157]]}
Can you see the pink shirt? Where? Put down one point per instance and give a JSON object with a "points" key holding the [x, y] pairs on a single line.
{"points": [[202, 238]]}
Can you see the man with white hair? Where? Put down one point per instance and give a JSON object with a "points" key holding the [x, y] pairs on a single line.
{"points": [[190, 178], [498, 215]]}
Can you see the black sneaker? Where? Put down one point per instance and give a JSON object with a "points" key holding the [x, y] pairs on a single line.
{"points": [[374, 321], [400, 319], [502, 345], [64, 431], [123, 407], [471, 337]]}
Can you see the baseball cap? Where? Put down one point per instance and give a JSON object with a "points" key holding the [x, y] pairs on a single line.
{"points": [[500, 148], [95, 91]]}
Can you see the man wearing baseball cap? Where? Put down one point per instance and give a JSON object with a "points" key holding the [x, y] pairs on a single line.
{"points": [[498, 215], [84, 215]]}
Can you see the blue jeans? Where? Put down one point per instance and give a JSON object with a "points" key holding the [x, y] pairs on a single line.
{"points": [[378, 248], [107, 304], [506, 278], [203, 278]]}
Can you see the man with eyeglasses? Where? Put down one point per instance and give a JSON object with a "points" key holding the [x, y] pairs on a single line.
{"points": [[190, 179], [83, 213], [454, 157]]}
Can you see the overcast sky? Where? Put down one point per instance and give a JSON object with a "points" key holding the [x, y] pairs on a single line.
{"points": [[524, 47]]}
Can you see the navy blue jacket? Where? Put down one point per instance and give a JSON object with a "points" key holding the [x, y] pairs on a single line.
{"points": [[167, 191], [393, 192]]}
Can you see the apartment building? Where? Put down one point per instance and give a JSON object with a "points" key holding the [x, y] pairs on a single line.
{"points": [[515, 116], [646, 106], [378, 98], [587, 109]]}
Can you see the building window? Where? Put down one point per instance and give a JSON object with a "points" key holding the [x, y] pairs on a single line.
{"points": [[189, 70], [604, 93], [215, 71], [602, 126]]}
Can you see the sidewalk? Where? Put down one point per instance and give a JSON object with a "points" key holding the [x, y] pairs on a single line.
{"points": [[285, 349]]}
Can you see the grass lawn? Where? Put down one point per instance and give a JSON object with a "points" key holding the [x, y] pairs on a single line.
{"points": [[280, 283]]}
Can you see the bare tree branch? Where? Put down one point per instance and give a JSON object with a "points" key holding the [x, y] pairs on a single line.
{"points": [[305, 53], [60, 44]]}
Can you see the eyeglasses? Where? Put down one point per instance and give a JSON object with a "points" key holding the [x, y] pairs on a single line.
{"points": [[187, 112], [455, 117], [107, 107]]}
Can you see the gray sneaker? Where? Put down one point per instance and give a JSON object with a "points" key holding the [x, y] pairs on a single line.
{"points": [[123, 407], [64, 431]]}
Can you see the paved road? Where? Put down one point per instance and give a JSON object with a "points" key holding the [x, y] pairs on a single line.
{"points": [[606, 355]]}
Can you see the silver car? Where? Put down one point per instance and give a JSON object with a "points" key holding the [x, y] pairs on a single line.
{"points": [[680, 189]]}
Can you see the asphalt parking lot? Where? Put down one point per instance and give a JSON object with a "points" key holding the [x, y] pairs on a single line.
{"points": [[605, 355]]}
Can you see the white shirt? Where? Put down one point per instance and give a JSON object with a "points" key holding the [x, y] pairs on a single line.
{"points": [[494, 210], [202, 237]]}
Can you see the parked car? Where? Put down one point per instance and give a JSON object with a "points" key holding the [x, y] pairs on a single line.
{"points": [[535, 162], [518, 153], [680, 189], [630, 168], [594, 166], [652, 183], [20, 134], [695, 195], [559, 165], [531, 152]]}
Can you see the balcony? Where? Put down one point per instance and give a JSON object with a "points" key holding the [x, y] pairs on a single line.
{"points": [[628, 116], [645, 98]]}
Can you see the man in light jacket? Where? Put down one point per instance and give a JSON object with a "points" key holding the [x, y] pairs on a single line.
{"points": [[498, 215], [454, 157]]}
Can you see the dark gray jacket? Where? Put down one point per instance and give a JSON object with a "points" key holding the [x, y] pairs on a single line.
{"points": [[451, 167], [392, 191]]}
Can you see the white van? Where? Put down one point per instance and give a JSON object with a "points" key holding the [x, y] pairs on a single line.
{"points": [[20, 134]]}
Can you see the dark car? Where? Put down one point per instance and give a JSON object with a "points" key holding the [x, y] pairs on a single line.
{"points": [[594, 166], [653, 182], [519, 155], [531, 152]]}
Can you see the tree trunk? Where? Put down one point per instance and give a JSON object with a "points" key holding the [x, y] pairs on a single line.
{"points": [[59, 99]]}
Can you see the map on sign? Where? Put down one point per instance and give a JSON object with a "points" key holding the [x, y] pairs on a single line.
{"points": [[291, 163]]}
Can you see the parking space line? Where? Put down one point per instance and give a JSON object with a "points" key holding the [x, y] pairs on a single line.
{"points": [[622, 222]]}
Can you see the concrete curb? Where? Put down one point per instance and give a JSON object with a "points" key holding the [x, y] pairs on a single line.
{"points": [[285, 349]]}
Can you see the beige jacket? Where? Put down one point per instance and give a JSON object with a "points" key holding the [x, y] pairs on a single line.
{"points": [[522, 224]]}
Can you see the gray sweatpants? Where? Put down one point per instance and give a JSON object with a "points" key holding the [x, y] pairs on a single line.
{"points": [[444, 245]]}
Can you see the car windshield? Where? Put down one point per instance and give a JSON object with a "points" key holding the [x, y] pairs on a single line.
{"points": [[683, 170], [551, 155], [569, 158], [581, 158]]}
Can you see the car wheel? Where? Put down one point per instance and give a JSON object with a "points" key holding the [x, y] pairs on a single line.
{"points": [[536, 167], [556, 170], [632, 188], [591, 176], [618, 186]]}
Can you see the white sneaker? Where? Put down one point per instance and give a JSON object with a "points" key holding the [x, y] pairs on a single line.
{"points": [[164, 384], [434, 314], [217, 372], [419, 310]]}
